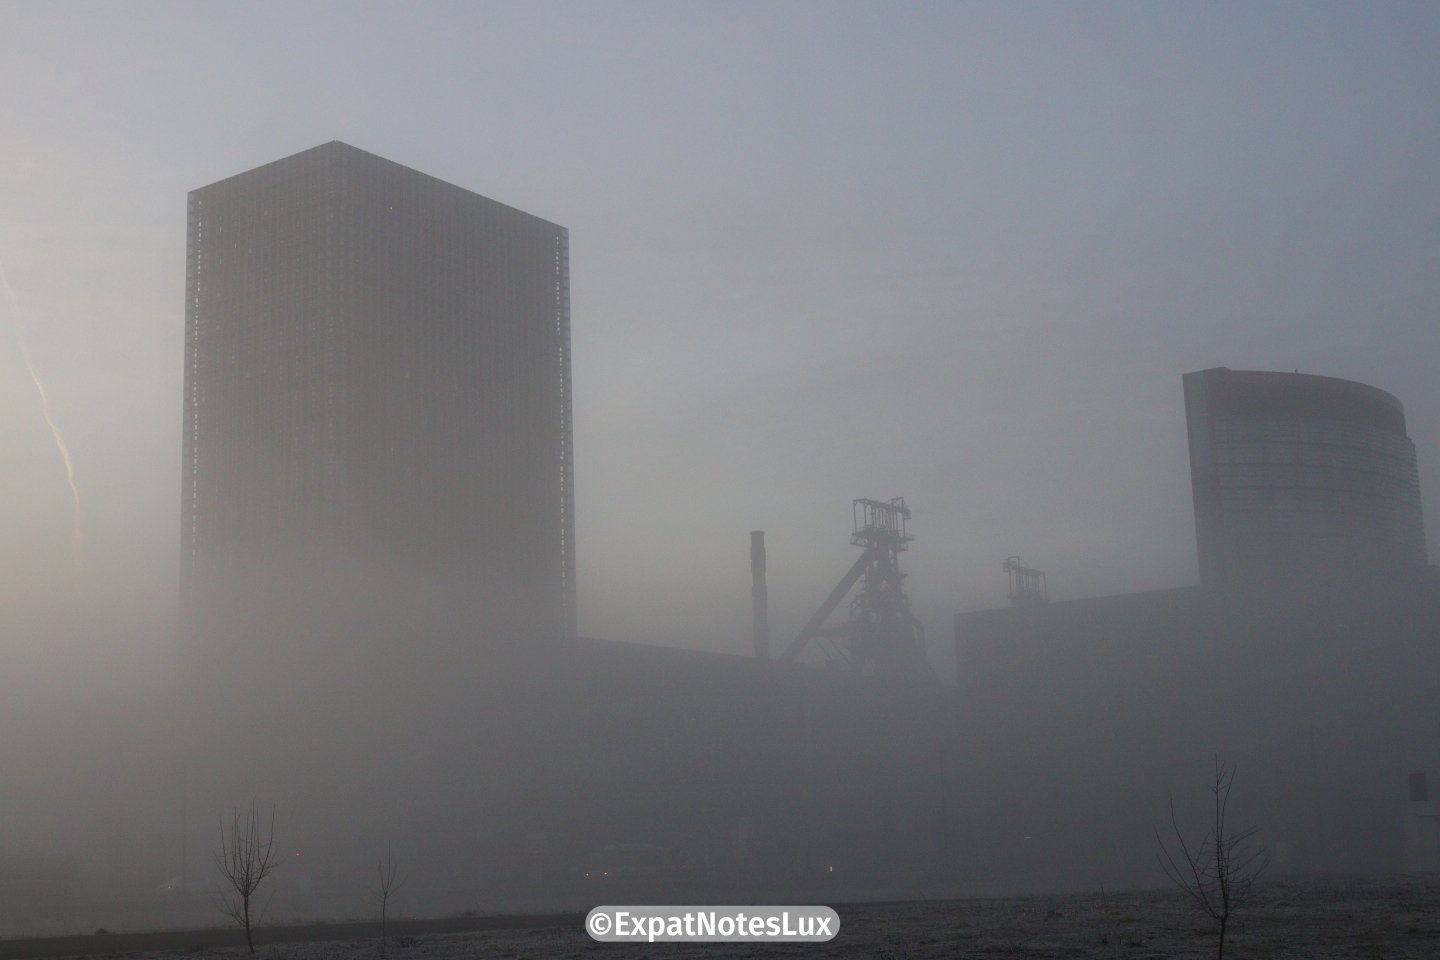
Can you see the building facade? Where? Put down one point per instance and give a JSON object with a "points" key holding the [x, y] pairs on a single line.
{"points": [[1306, 658], [1081, 722], [1293, 472], [377, 395]]}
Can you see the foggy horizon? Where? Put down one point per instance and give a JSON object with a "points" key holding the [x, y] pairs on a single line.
{"points": [[956, 254], [959, 253]]}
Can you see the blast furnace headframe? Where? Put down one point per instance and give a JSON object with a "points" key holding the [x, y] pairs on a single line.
{"points": [[881, 637]]}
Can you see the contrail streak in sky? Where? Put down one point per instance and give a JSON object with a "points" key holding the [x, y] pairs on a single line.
{"points": [[77, 541]]}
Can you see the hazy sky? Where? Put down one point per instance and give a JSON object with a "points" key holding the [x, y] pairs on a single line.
{"points": [[956, 252]]}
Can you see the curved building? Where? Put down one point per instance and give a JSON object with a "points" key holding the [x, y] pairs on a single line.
{"points": [[1296, 473]]}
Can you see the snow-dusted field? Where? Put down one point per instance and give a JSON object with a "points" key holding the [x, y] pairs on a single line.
{"points": [[1371, 917]]}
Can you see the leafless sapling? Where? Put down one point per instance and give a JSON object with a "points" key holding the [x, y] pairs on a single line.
{"points": [[388, 882], [1219, 870], [245, 858]]}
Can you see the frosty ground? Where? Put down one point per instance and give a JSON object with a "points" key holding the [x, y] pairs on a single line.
{"points": [[1364, 917]]}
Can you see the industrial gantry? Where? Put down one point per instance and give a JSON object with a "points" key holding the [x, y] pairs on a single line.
{"points": [[881, 637]]}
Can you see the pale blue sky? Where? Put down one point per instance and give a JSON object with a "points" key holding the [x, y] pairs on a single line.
{"points": [[957, 252]]}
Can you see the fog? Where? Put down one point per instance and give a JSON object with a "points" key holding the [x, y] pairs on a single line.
{"points": [[959, 253]]}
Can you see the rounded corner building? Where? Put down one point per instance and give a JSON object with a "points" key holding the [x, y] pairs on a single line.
{"points": [[1296, 473]]}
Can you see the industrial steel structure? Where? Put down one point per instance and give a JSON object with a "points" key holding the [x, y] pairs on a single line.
{"points": [[881, 636], [377, 375], [1027, 585], [759, 594]]}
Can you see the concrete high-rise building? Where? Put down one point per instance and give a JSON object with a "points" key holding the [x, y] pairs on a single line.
{"points": [[1296, 473], [377, 383]]}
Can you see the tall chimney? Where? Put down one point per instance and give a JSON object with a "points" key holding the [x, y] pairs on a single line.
{"points": [[758, 594]]}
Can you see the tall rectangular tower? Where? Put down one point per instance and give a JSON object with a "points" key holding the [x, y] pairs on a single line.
{"points": [[377, 391]]}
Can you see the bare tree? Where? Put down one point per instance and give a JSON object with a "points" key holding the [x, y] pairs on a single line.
{"points": [[389, 881], [245, 858], [1219, 870]]}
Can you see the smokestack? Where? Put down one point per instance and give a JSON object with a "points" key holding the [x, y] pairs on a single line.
{"points": [[758, 594]]}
